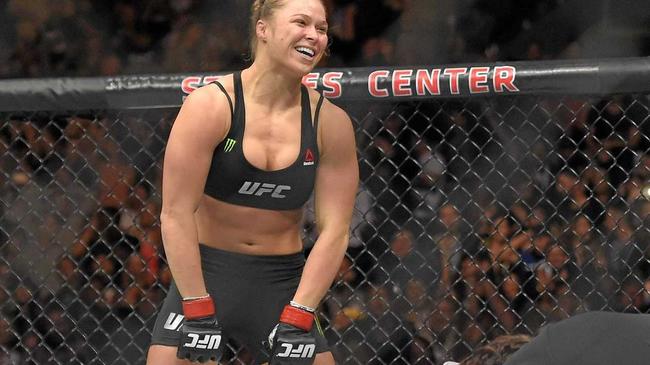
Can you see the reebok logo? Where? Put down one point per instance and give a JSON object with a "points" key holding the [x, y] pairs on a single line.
{"points": [[230, 144], [309, 158], [259, 189], [301, 350], [174, 322], [209, 342]]}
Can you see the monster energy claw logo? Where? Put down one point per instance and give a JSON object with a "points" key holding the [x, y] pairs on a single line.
{"points": [[230, 144]]}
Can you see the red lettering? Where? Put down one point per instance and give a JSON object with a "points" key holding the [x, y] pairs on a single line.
{"points": [[332, 84], [209, 79], [430, 81], [373, 83], [190, 84], [504, 76], [311, 80], [401, 80], [478, 77], [454, 74]]}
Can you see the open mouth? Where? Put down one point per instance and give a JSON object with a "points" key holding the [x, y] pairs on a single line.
{"points": [[306, 51]]}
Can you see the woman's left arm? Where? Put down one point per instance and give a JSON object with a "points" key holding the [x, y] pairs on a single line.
{"points": [[337, 181]]}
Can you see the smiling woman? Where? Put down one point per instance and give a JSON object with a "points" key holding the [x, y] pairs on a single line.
{"points": [[265, 9], [296, 28], [253, 147]]}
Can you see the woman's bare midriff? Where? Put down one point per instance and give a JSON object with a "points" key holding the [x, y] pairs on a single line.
{"points": [[248, 230]]}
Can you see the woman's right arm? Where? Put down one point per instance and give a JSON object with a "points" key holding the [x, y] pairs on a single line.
{"points": [[200, 126]]}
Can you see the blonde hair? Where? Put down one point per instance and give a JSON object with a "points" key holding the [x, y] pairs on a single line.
{"points": [[261, 9], [498, 351]]}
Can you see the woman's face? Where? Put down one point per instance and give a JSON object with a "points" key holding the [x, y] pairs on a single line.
{"points": [[296, 35]]}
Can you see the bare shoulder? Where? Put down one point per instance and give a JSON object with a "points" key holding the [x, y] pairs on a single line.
{"points": [[334, 119], [227, 81], [332, 113], [207, 110], [327, 107], [335, 129], [210, 97]]}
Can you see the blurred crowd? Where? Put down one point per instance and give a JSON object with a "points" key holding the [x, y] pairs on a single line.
{"points": [[80, 241], [43, 38], [467, 237], [436, 266], [474, 218]]}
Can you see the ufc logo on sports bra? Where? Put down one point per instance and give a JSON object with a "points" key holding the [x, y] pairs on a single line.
{"points": [[259, 189], [209, 342], [302, 350]]}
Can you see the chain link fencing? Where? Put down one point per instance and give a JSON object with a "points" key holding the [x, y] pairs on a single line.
{"points": [[476, 216]]}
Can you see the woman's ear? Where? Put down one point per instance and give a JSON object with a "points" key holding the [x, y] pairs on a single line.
{"points": [[261, 30]]}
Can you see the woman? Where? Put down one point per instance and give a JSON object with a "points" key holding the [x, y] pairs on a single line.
{"points": [[243, 157]]}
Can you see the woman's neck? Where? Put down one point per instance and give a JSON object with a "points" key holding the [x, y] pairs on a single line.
{"points": [[271, 86]]}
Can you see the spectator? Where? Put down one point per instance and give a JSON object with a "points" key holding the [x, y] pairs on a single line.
{"points": [[345, 45], [407, 260], [184, 39], [447, 231], [8, 341], [624, 251], [613, 131], [428, 182], [440, 325], [345, 307], [386, 334]]}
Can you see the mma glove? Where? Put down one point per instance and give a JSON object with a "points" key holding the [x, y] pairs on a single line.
{"points": [[201, 333], [291, 341]]}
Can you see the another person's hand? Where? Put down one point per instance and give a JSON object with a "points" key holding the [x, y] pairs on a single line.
{"points": [[201, 333]]}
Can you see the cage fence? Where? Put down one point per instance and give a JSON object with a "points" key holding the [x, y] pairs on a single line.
{"points": [[477, 215]]}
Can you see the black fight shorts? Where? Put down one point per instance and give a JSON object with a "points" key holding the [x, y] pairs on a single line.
{"points": [[249, 293]]}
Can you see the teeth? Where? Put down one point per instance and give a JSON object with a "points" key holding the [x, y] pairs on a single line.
{"points": [[306, 51]]}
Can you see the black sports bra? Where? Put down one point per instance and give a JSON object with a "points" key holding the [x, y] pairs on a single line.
{"points": [[234, 180]]}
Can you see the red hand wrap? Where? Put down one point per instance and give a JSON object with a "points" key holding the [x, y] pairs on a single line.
{"points": [[198, 308], [297, 317]]}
